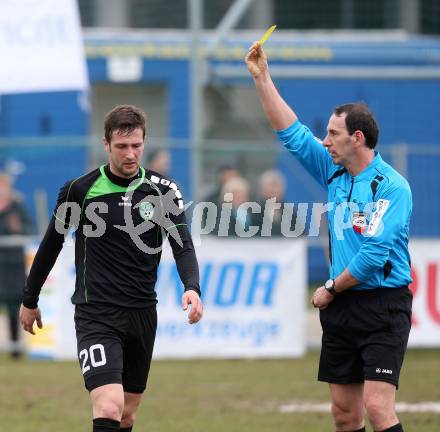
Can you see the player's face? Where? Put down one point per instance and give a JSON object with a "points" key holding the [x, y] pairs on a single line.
{"points": [[338, 142], [125, 152]]}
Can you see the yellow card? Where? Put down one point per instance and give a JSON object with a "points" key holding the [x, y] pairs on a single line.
{"points": [[267, 34]]}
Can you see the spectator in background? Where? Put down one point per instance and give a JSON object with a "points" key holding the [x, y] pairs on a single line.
{"points": [[225, 173], [159, 161], [236, 192], [14, 221], [271, 200]]}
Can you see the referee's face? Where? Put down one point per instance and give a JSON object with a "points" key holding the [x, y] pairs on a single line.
{"points": [[338, 142], [125, 152]]}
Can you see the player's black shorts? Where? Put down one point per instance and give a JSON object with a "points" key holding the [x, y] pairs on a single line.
{"points": [[365, 334], [115, 345]]}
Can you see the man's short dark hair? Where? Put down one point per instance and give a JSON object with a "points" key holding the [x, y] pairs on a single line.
{"points": [[226, 167], [360, 117], [126, 118]]}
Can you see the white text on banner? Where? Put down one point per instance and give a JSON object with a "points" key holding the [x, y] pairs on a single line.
{"points": [[43, 45]]}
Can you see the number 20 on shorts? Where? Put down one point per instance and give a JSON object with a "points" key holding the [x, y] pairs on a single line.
{"points": [[85, 354]]}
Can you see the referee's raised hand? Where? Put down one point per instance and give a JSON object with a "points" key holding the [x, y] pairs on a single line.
{"points": [[256, 60], [195, 314]]}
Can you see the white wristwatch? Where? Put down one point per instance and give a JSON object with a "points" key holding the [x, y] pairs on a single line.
{"points": [[330, 287]]}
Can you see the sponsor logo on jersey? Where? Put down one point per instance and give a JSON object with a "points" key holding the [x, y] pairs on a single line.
{"points": [[125, 201], [384, 371], [376, 220], [146, 210], [359, 222]]}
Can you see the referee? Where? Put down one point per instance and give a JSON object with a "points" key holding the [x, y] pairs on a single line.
{"points": [[120, 211], [365, 306]]}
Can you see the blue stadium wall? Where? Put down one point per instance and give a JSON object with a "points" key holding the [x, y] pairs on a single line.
{"points": [[407, 108]]}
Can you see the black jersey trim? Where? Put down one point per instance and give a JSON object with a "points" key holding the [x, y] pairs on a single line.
{"points": [[66, 201], [374, 184], [336, 174]]}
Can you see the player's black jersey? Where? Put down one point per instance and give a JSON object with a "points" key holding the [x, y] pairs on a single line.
{"points": [[119, 228]]}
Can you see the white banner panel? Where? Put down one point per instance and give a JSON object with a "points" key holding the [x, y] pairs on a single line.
{"points": [[254, 296], [253, 292], [41, 46], [425, 259]]}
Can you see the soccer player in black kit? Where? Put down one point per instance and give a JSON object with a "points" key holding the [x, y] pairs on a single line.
{"points": [[121, 213]]}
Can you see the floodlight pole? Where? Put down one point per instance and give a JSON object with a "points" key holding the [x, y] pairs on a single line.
{"points": [[228, 22], [199, 76], [197, 81], [410, 15]]}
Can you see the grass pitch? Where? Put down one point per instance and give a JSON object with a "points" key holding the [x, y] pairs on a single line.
{"points": [[210, 395]]}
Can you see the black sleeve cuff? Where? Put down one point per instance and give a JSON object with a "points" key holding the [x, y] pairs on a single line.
{"points": [[193, 288], [30, 302]]}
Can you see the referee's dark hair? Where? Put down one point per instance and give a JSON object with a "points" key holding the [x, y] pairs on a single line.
{"points": [[360, 117], [126, 118]]}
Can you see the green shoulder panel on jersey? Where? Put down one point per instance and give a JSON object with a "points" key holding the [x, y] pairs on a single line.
{"points": [[104, 186]]}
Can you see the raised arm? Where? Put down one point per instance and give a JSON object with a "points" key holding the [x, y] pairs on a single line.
{"points": [[280, 115], [296, 137]]}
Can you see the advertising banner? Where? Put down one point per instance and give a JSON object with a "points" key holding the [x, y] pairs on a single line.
{"points": [[41, 46], [425, 260], [253, 293], [254, 296]]}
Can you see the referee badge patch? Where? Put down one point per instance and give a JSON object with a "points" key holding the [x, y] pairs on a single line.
{"points": [[359, 222], [146, 210]]}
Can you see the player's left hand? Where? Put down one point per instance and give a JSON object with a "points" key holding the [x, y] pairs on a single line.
{"points": [[321, 298], [191, 297], [28, 317]]}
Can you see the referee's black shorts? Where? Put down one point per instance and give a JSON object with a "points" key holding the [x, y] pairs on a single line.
{"points": [[365, 334], [115, 345]]}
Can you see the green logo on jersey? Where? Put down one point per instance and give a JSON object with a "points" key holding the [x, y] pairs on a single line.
{"points": [[146, 210]]}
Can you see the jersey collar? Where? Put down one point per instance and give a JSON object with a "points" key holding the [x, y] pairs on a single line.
{"points": [[123, 182], [368, 171]]}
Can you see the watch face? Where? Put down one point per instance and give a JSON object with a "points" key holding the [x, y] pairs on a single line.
{"points": [[329, 284]]}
